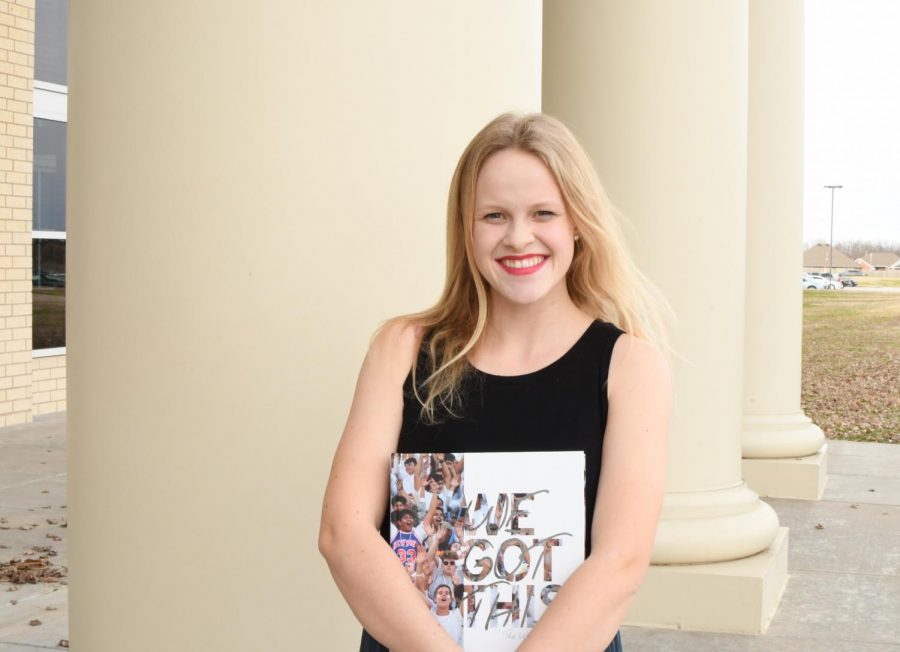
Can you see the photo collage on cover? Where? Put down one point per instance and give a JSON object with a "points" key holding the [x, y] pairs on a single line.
{"points": [[431, 531], [428, 514]]}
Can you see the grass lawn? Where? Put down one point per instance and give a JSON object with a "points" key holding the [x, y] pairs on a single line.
{"points": [[851, 364], [877, 281]]}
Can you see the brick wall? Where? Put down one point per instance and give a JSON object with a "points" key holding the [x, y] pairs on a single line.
{"points": [[48, 384], [16, 150]]}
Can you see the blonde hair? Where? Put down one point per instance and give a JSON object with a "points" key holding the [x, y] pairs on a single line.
{"points": [[602, 280]]}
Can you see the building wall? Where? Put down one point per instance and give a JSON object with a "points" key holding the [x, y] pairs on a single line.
{"points": [[48, 384], [28, 386], [16, 151]]}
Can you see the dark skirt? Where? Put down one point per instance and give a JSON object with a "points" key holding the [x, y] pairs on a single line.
{"points": [[369, 644]]}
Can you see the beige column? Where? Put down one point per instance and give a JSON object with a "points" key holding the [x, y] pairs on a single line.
{"points": [[253, 188], [781, 446], [657, 91]]}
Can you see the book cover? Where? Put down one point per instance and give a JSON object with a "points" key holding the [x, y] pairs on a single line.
{"points": [[488, 538]]}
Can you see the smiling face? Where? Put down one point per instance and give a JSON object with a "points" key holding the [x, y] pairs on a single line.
{"points": [[406, 523], [448, 567], [443, 597], [522, 238]]}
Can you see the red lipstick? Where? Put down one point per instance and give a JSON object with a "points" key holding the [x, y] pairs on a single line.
{"points": [[523, 264]]}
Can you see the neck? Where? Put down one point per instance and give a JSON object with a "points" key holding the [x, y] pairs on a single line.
{"points": [[520, 338], [534, 319], [522, 326]]}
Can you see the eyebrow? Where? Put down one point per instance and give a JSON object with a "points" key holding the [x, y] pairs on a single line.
{"points": [[541, 204]]}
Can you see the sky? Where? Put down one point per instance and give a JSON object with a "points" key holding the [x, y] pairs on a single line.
{"points": [[852, 120]]}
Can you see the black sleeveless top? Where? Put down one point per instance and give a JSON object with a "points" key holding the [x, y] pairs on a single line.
{"points": [[562, 407]]}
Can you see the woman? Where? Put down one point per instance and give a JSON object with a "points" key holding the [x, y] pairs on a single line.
{"points": [[545, 338]]}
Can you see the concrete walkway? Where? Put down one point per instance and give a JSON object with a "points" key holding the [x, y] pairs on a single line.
{"points": [[844, 566], [843, 592], [33, 515]]}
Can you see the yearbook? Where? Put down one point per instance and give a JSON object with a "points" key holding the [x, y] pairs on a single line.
{"points": [[488, 538]]}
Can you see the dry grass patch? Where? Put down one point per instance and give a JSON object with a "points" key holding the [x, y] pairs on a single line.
{"points": [[851, 364], [877, 281]]}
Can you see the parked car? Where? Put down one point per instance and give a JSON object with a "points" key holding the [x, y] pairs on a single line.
{"points": [[811, 282], [832, 282], [853, 272], [846, 280]]}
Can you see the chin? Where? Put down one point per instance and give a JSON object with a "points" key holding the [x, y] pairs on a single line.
{"points": [[521, 299]]}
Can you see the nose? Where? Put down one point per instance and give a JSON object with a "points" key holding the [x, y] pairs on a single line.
{"points": [[518, 233]]}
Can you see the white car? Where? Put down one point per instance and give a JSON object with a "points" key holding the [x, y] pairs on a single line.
{"points": [[811, 282], [832, 282]]}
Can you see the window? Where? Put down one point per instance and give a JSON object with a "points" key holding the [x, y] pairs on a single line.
{"points": [[49, 178], [51, 41]]}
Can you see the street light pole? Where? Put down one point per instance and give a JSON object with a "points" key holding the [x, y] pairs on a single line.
{"points": [[831, 237]]}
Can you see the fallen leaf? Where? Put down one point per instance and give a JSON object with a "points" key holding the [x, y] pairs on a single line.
{"points": [[35, 622], [846, 381], [31, 571], [819, 526]]}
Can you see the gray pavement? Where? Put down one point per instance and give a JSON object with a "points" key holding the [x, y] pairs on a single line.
{"points": [[843, 592], [32, 525], [844, 565]]}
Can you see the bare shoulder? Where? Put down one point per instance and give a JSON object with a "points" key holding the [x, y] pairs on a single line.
{"points": [[393, 348], [638, 362]]}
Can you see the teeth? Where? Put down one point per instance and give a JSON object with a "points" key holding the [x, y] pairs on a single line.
{"points": [[522, 263]]}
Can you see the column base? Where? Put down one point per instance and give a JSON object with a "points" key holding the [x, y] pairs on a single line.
{"points": [[802, 478], [713, 525], [780, 435], [737, 597]]}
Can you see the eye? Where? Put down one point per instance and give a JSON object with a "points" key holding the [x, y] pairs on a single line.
{"points": [[545, 215], [493, 217]]}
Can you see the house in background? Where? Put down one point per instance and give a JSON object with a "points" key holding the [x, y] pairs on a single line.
{"points": [[879, 260], [816, 259]]}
